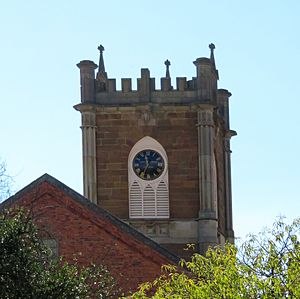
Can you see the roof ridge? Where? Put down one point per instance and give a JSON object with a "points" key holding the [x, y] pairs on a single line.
{"points": [[95, 208]]}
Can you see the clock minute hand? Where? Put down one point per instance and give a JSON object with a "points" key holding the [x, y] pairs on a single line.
{"points": [[146, 165]]}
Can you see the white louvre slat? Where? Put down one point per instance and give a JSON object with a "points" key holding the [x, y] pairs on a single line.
{"points": [[135, 201]]}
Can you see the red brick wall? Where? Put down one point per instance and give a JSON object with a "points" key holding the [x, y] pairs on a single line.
{"points": [[175, 129], [92, 238]]}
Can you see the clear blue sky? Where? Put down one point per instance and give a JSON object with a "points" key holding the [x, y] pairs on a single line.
{"points": [[257, 54]]}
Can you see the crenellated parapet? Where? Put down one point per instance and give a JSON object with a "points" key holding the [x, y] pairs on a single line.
{"points": [[102, 90]]}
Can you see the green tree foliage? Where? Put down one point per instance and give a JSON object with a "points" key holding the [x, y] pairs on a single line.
{"points": [[27, 271], [5, 182], [266, 266]]}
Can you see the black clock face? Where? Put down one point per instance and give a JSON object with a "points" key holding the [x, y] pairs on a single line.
{"points": [[148, 164]]}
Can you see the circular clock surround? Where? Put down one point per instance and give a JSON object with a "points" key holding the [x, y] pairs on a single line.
{"points": [[148, 164]]}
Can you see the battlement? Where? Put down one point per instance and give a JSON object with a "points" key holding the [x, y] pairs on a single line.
{"points": [[102, 90], [165, 84]]}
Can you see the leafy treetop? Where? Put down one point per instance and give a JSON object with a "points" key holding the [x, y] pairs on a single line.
{"points": [[265, 266]]}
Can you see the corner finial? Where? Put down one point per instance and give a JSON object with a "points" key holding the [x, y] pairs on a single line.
{"points": [[101, 49], [167, 64], [212, 57], [212, 46], [101, 70]]}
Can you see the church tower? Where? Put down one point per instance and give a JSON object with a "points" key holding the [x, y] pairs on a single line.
{"points": [[159, 158]]}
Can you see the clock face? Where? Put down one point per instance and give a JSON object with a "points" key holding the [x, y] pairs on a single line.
{"points": [[148, 164]]}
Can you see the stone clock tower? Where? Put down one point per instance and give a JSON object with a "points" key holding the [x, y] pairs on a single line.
{"points": [[159, 157]]}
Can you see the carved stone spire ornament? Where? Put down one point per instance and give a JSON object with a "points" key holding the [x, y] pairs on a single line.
{"points": [[101, 69], [212, 57], [167, 64]]}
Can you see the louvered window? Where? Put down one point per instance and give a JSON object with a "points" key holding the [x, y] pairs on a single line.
{"points": [[149, 202], [136, 201], [162, 199]]}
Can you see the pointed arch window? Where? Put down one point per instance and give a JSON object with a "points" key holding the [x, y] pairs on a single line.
{"points": [[148, 180]]}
